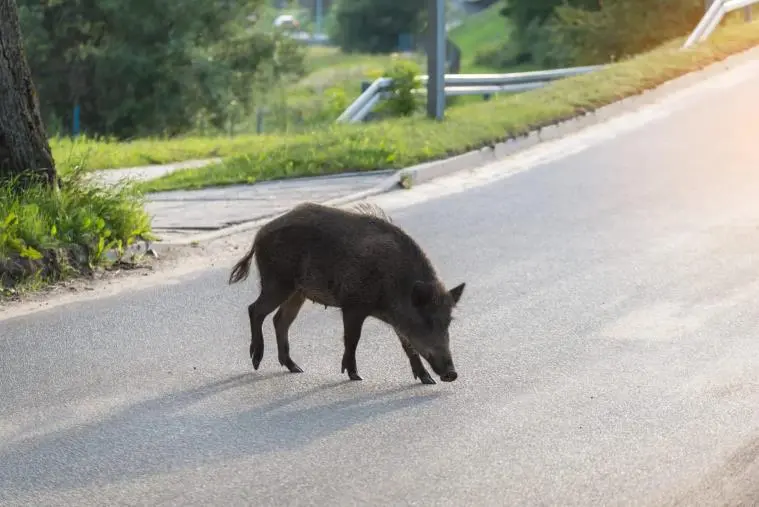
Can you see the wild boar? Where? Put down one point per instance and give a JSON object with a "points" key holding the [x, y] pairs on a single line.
{"points": [[356, 260]]}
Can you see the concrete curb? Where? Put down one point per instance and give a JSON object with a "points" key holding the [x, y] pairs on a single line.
{"points": [[434, 169]]}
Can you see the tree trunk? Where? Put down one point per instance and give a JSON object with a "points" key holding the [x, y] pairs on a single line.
{"points": [[23, 140]]}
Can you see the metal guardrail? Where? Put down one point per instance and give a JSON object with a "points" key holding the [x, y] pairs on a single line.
{"points": [[714, 14], [366, 101], [488, 84], [463, 84]]}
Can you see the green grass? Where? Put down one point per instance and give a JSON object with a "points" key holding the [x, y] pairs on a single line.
{"points": [[480, 31], [107, 154], [323, 61], [333, 83], [48, 235], [402, 142]]}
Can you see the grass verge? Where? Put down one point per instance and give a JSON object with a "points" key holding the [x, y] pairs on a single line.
{"points": [[48, 235], [104, 153], [403, 142]]}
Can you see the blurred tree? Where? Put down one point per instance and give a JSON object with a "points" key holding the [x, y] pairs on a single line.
{"points": [[573, 32], [618, 30], [140, 67], [528, 16], [374, 26]]}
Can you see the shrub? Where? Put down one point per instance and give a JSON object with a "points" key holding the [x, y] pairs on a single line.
{"points": [[371, 26], [403, 100], [618, 30], [52, 233], [495, 55]]}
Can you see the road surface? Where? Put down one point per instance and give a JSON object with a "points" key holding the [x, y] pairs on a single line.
{"points": [[606, 344]]}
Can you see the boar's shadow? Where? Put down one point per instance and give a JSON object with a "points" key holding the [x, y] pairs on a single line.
{"points": [[165, 435]]}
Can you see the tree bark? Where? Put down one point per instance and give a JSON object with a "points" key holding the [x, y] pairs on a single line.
{"points": [[24, 147]]}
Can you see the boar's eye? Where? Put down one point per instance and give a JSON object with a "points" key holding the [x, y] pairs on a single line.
{"points": [[437, 321]]}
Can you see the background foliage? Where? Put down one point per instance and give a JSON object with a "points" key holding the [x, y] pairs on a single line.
{"points": [[140, 67], [554, 33], [372, 26]]}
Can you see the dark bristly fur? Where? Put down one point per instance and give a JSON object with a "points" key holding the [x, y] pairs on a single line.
{"points": [[360, 262], [370, 209]]}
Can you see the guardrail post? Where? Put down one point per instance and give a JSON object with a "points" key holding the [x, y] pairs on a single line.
{"points": [[747, 14], [436, 59]]}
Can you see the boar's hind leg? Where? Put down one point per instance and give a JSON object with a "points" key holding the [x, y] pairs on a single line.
{"points": [[353, 321], [282, 321], [417, 367], [270, 298]]}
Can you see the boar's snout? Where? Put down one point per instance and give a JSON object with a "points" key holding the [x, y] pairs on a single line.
{"points": [[443, 366]]}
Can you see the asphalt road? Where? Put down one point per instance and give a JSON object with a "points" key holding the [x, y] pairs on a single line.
{"points": [[606, 346]]}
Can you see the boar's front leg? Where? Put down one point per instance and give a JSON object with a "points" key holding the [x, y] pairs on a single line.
{"points": [[417, 367], [282, 321], [353, 321]]}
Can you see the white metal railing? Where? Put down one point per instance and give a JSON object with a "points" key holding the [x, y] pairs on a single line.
{"points": [[463, 84], [714, 14], [366, 101], [488, 84]]}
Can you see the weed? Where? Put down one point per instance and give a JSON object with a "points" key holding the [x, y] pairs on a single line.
{"points": [[47, 234]]}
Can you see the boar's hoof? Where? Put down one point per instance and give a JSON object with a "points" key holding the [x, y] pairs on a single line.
{"points": [[290, 365], [427, 379], [349, 363], [256, 354], [256, 358]]}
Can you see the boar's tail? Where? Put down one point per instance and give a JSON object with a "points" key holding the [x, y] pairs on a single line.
{"points": [[242, 268]]}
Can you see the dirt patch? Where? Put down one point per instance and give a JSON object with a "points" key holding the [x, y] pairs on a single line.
{"points": [[171, 265], [54, 264]]}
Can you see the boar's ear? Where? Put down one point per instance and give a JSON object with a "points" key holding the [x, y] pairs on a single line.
{"points": [[456, 292], [422, 293]]}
